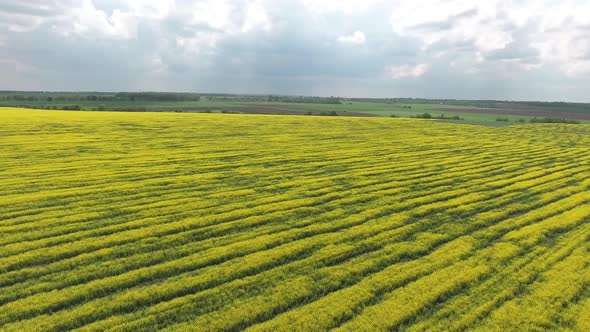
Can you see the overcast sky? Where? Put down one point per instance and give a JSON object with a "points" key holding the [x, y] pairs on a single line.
{"points": [[492, 49]]}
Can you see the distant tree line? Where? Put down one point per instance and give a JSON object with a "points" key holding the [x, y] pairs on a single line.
{"points": [[97, 97], [55, 98], [235, 98], [273, 98], [49, 107], [32, 98], [304, 100], [157, 96]]}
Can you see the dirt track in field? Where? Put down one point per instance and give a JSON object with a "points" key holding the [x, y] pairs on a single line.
{"points": [[258, 109], [519, 112]]}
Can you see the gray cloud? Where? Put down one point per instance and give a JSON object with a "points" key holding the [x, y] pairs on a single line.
{"points": [[519, 49], [31, 8], [514, 51], [292, 47], [445, 24]]}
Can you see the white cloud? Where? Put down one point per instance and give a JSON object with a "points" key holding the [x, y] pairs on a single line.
{"points": [[356, 38], [407, 71], [256, 17], [344, 6], [231, 17], [207, 41], [201, 42], [88, 20], [153, 9], [215, 13], [453, 21], [550, 27], [226, 20], [19, 23]]}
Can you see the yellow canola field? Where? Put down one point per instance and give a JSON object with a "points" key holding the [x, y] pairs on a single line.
{"points": [[207, 222]]}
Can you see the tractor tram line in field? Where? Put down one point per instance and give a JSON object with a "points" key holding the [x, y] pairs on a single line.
{"points": [[133, 197], [137, 221], [33, 222], [58, 243]]}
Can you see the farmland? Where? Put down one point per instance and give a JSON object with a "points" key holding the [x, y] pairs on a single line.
{"points": [[490, 113], [193, 222]]}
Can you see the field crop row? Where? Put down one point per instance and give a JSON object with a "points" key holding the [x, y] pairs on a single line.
{"points": [[143, 221]]}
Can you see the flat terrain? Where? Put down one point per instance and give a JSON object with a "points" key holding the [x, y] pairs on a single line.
{"points": [[206, 222], [271, 109], [369, 109], [483, 112], [520, 112]]}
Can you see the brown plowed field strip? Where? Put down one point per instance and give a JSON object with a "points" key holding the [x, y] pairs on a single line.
{"points": [[256, 109]]}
